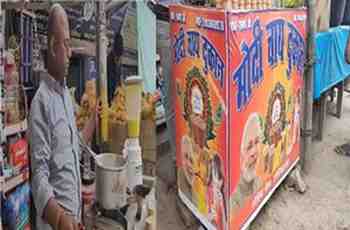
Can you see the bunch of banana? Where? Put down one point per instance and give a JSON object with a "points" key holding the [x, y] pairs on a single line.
{"points": [[117, 111], [91, 92], [87, 104], [148, 106], [83, 113]]}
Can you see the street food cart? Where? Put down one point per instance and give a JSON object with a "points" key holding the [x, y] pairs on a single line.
{"points": [[239, 81]]}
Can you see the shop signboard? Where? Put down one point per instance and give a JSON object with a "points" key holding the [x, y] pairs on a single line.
{"points": [[238, 78]]}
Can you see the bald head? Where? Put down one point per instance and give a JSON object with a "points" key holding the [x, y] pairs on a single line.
{"points": [[58, 43], [57, 21]]}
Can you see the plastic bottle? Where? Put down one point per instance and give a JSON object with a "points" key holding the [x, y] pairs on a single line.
{"points": [[253, 4], [241, 4], [235, 4], [248, 4], [135, 168]]}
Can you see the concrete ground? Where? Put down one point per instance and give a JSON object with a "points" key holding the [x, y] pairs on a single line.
{"points": [[325, 205]]}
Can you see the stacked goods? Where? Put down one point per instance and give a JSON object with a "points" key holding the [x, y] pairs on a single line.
{"points": [[148, 107], [148, 138], [292, 3], [254, 4], [118, 118], [227, 4], [241, 4], [16, 209], [11, 71], [118, 131], [83, 112], [87, 104], [248, 4], [235, 4], [12, 114], [18, 154], [90, 91], [14, 96], [22, 103], [260, 4], [244, 4], [117, 113], [14, 48]]}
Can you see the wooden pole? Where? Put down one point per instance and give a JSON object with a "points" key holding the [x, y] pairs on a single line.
{"points": [[306, 156], [102, 67]]}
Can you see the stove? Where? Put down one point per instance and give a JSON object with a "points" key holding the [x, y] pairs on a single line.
{"points": [[100, 219], [103, 223]]}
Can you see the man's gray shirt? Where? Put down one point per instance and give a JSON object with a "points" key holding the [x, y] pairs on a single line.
{"points": [[54, 150]]}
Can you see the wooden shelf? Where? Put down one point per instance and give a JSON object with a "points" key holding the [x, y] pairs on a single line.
{"points": [[16, 128], [13, 182]]}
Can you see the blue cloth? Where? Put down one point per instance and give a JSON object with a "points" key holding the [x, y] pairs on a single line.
{"points": [[331, 66]]}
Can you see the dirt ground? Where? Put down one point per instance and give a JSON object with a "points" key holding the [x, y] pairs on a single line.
{"points": [[325, 205]]}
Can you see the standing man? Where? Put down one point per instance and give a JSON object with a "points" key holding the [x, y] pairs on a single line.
{"points": [[53, 135]]}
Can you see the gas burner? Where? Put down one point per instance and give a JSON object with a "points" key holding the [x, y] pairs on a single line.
{"points": [[103, 223], [102, 219], [117, 215]]}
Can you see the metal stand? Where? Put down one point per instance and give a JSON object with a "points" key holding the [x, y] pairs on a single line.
{"points": [[340, 94], [308, 87], [101, 47], [322, 115]]}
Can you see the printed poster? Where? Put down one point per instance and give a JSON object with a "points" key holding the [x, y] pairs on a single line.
{"points": [[238, 80], [199, 71], [267, 55]]}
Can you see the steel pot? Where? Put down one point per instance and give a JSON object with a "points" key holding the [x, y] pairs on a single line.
{"points": [[111, 180]]}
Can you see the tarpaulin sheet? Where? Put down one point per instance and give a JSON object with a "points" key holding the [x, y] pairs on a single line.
{"points": [[331, 66]]}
